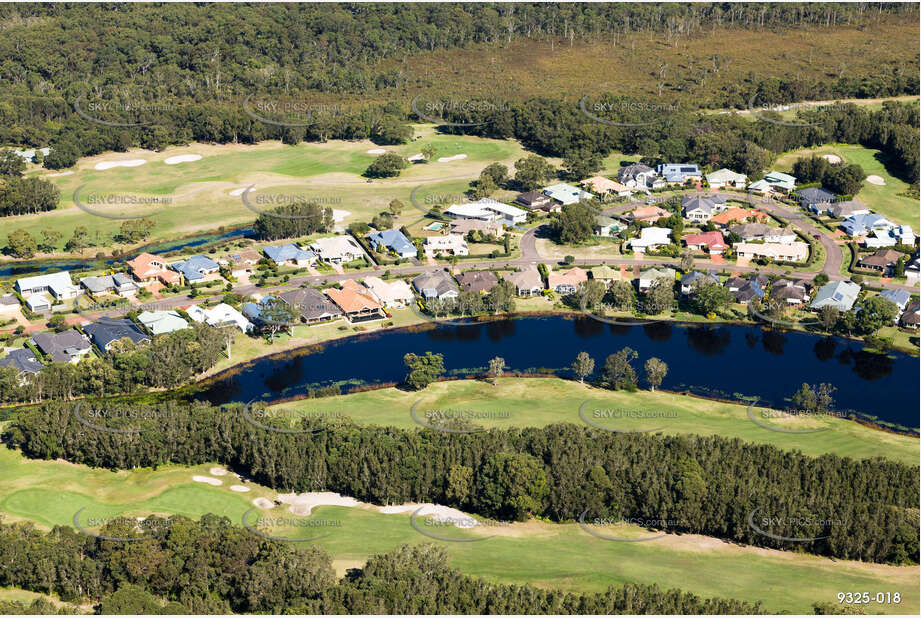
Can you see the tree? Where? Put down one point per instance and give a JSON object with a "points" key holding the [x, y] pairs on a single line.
{"points": [[275, 315], [386, 165], [50, 240], [711, 297], [497, 172], [687, 260], [58, 323], [395, 207], [590, 293], [11, 164], [583, 366], [656, 369], [423, 370], [511, 486], [814, 399], [659, 297], [79, 240], [428, 151], [496, 367], [622, 295], [581, 163], [134, 230], [618, 372], [460, 484], [875, 312], [501, 298], [828, 317], [62, 155], [21, 244], [532, 172], [819, 280], [573, 224]]}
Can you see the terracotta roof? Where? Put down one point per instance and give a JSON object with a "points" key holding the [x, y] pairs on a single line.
{"points": [[738, 214], [648, 212], [573, 276], [713, 240], [353, 297]]}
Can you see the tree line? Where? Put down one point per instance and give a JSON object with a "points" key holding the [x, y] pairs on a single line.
{"points": [[710, 484], [213, 567]]}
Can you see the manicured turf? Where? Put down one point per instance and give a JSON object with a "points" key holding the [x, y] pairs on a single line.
{"points": [[518, 402], [543, 554], [882, 199]]}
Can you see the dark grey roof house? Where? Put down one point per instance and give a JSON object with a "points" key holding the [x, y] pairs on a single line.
{"points": [[22, 360], [62, 347], [105, 331], [312, 304]]}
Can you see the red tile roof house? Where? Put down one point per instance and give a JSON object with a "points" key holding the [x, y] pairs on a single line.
{"points": [[356, 301], [712, 242], [567, 281], [648, 214], [147, 267]]}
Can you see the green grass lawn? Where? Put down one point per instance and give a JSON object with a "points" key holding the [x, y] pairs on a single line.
{"points": [[544, 554], [537, 402], [882, 199]]}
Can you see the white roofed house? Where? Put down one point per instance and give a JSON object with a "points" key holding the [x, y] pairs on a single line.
{"points": [[219, 315], [726, 178], [59, 284], [450, 244], [162, 322], [781, 252], [337, 249], [487, 209], [650, 238], [395, 293], [567, 194]]}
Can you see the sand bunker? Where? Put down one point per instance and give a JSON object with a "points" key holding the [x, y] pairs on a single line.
{"points": [[263, 503], [302, 504], [217, 471], [104, 165], [443, 513], [240, 191], [416, 157], [832, 158], [207, 479], [873, 179], [239, 488], [56, 174], [452, 158], [377, 151], [340, 215], [181, 159]]}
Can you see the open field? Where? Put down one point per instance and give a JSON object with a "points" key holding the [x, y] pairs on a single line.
{"points": [[536, 402], [882, 199], [200, 191], [548, 555]]}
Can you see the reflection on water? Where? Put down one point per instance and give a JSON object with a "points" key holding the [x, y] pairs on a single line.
{"points": [[708, 340], [825, 348], [773, 342]]}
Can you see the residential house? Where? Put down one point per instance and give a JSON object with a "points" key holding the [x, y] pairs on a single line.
{"points": [[436, 284], [242, 263], [477, 280], [65, 347], [774, 181], [846, 208], [9, 305], [650, 275], [694, 279], [648, 214], [162, 322], [605, 274], [911, 317], [59, 284], [104, 285], [726, 178], [738, 214], [450, 244], [393, 241], [535, 200], [607, 226], [605, 186], [678, 172], [744, 290], [290, 254], [486, 209], [789, 292], [147, 267], [767, 233], [255, 312], [487, 228], [858, 225], [639, 176], [219, 315], [197, 268], [566, 194], [899, 298], [700, 209], [779, 252], [838, 294], [650, 238], [566, 281], [106, 331], [527, 281], [396, 293], [38, 303], [710, 242], [816, 199], [23, 362], [312, 305], [901, 234], [913, 270], [882, 261], [337, 249]]}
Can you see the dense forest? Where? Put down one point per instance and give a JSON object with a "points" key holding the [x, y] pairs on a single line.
{"points": [[212, 567], [862, 510]]}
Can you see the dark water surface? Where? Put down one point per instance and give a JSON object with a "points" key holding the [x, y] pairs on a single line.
{"points": [[725, 361]]}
